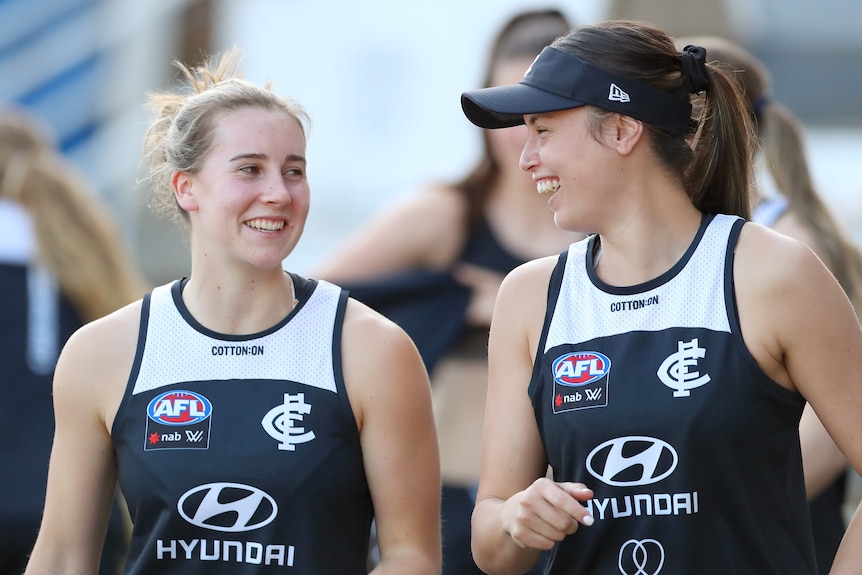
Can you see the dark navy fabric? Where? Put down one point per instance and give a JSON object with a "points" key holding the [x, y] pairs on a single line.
{"points": [[648, 395], [430, 305], [27, 416], [240, 454]]}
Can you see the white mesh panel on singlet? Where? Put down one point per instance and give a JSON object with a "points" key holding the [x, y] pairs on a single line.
{"points": [[175, 351], [593, 312]]}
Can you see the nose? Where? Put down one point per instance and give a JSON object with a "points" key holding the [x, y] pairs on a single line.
{"points": [[276, 192], [529, 155]]}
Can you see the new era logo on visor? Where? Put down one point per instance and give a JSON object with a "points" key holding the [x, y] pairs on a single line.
{"points": [[617, 94]]}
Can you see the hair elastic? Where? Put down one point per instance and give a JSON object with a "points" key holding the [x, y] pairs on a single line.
{"points": [[692, 60]]}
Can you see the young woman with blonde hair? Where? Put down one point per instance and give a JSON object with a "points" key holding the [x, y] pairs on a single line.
{"points": [[256, 420]]}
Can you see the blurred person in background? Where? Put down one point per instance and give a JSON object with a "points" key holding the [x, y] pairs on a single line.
{"points": [[63, 263], [434, 262], [795, 208], [256, 420]]}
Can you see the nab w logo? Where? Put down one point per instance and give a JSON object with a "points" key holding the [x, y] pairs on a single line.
{"points": [[172, 409], [617, 94], [194, 436], [580, 381]]}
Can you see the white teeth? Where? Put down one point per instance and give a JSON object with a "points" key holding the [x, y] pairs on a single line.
{"points": [[547, 186], [265, 225]]}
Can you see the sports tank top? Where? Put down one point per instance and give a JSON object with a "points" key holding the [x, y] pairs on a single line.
{"points": [[36, 319], [648, 395], [241, 454], [482, 249]]}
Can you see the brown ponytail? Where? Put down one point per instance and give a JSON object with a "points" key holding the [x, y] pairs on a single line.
{"points": [[714, 159]]}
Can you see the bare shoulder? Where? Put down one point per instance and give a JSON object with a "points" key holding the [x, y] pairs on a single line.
{"points": [[381, 363], [766, 259], [780, 285], [443, 199], [521, 304], [417, 230], [436, 205], [372, 335], [436, 214], [97, 359], [528, 283], [790, 225], [113, 334], [537, 270]]}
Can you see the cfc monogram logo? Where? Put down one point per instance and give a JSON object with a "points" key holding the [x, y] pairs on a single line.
{"points": [[280, 422], [676, 371]]}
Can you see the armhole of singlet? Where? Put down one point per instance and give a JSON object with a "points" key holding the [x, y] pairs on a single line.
{"points": [[139, 355], [554, 287], [764, 380], [337, 367]]}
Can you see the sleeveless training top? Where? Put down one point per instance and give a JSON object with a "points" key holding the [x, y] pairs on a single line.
{"points": [[240, 454], [36, 319], [648, 395], [482, 249]]}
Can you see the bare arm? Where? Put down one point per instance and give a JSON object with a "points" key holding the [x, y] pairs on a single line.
{"points": [[803, 331], [824, 359], [423, 230], [88, 383], [519, 511], [389, 388], [822, 461]]}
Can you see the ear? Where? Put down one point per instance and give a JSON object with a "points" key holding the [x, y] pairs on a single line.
{"points": [[183, 187], [627, 132]]}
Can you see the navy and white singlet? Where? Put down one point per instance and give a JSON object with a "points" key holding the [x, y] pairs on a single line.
{"points": [[36, 319], [648, 395], [241, 454]]}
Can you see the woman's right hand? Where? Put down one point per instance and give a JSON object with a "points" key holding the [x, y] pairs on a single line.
{"points": [[484, 284], [545, 513]]}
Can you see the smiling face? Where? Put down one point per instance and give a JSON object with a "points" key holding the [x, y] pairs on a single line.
{"points": [[569, 164], [249, 202]]}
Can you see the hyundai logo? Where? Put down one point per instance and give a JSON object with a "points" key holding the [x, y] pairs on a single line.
{"points": [[230, 507], [633, 460]]}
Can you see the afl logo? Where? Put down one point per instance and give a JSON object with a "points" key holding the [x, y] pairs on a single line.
{"points": [[179, 408], [580, 368]]}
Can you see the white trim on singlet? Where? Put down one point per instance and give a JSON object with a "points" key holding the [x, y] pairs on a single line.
{"points": [[18, 239], [584, 312], [176, 352]]}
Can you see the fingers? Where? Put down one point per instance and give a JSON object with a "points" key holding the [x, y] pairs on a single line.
{"points": [[546, 512], [581, 493], [484, 285], [476, 277]]}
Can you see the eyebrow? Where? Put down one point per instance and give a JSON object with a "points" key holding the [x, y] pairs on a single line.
{"points": [[533, 118], [258, 156]]}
